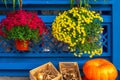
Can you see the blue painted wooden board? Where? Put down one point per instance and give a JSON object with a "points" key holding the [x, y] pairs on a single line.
{"points": [[50, 18], [116, 32], [16, 63], [63, 2]]}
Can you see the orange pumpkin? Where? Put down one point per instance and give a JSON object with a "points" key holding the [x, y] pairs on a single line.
{"points": [[99, 69]]}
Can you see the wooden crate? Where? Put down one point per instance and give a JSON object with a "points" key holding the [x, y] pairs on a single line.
{"points": [[66, 67], [49, 65]]}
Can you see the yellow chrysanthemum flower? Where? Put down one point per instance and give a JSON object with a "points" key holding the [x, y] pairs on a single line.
{"points": [[79, 28]]}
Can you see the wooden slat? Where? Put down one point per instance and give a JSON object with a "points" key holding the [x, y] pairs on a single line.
{"points": [[46, 55], [116, 32], [56, 7], [61, 2], [14, 73], [30, 63], [50, 18]]}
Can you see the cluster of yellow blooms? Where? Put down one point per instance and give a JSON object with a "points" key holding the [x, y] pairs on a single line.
{"points": [[81, 29]]}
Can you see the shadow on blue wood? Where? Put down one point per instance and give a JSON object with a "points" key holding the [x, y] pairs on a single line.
{"points": [[118, 74]]}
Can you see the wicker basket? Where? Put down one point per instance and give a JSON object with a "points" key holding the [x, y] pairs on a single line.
{"points": [[49, 65], [65, 67]]}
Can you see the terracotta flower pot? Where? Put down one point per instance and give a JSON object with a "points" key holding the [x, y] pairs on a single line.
{"points": [[22, 45]]}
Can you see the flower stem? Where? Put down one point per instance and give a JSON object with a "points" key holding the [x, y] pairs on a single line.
{"points": [[77, 2], [20, 4]]}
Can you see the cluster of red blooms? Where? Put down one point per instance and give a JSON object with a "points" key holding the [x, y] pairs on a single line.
{"points": [[22, 18]]}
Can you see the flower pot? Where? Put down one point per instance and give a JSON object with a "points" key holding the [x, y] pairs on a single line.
{"points": [[22, 45]]}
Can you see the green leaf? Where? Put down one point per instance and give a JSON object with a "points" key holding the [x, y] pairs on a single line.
{"points": [[5, 2], [72, 3], [14, 4], [19, 3], [80, 3]]}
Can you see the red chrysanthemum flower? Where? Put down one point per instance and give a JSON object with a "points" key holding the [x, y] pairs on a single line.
{"points": [[22, 18]]}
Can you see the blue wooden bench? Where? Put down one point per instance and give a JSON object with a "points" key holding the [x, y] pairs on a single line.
{"points": [[16, 63]]}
